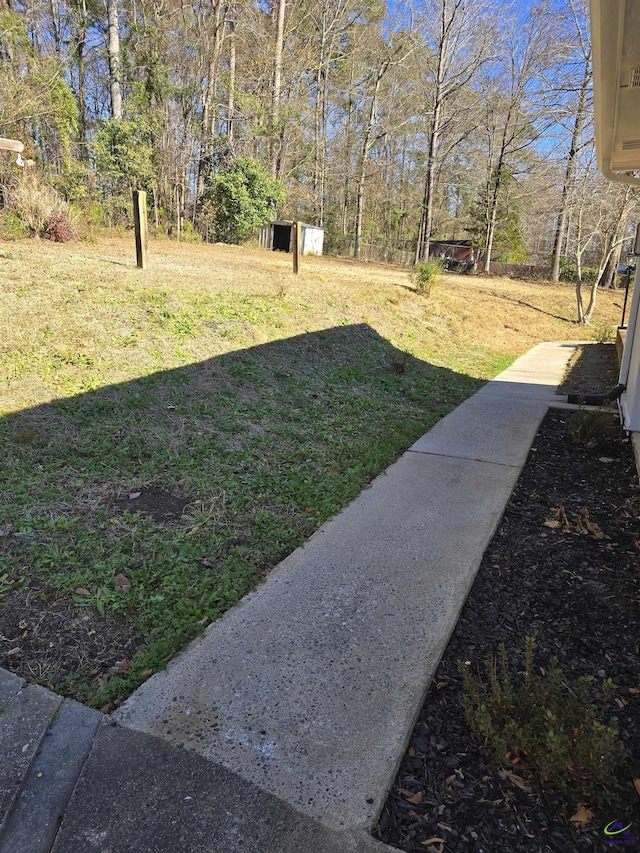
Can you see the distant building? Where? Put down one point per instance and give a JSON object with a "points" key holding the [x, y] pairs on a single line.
{"points": [[278, 236], [454, 253]]}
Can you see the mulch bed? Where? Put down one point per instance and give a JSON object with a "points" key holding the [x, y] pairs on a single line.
{"points": [[578, 596]]}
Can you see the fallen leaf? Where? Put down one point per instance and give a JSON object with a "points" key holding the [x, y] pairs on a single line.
{"points": [[552, 523], [13, 652], [621, 702], [414, 797], [123, 582], [81, 590], [134, 495], [634, 690], [146, 673], [636, 785], [560, 515], [122, 666], [442, 684], [582, 816], [516, 780], [449, 780], [434, 840]]}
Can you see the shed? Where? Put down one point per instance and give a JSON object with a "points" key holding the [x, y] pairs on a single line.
{"points": [[456, 250], [278, 236]]}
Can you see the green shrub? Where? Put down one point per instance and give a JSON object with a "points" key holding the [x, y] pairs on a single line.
{"points": [[239, 199], [12, 227], [189, 233], [568, 270], [550, 730], [424, 276]]}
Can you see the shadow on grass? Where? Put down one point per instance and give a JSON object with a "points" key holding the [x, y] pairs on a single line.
{"points": [[167, 498], [514, 301]]}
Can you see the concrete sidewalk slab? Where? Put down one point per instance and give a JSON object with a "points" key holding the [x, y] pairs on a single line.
{"points": [[500, 432], [140, 793], [310, 686]]}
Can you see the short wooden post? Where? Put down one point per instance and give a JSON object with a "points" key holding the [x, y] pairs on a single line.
{"points": [[297, 245], [140, 220]]}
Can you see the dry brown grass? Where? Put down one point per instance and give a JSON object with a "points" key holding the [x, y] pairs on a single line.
{"points": [[77, 316]]}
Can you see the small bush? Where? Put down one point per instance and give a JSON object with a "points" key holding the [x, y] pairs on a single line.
{"points": [[59, 228], [425, 276], [589, 428], [189, 233], [33, 201], [568, 271], [548, 729], [605, 334], [12, 227]]}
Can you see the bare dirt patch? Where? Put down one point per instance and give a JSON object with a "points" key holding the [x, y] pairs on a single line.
{"points": [[48, 638], [154, 502]]}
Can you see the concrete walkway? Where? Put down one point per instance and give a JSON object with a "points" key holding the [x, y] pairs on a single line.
{"points": [[282, 727]]}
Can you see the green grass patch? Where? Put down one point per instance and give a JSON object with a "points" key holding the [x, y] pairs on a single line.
{"points": [[244, 405], [264, 445]]}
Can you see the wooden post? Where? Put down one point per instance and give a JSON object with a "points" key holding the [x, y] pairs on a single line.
{"points": [[297, 245], [140, 219]]}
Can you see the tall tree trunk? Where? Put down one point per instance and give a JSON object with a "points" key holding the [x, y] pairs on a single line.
{"points": [[424, 234], [6, 44], [561, 229], [367, 142], [207, 128], [422, 248], [276, 139], [232, 83], [113, 48], [80, 39], [348, 134]]}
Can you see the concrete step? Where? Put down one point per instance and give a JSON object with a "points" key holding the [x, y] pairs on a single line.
{"points": [[140, 793], [44, 742], [27, 711]]}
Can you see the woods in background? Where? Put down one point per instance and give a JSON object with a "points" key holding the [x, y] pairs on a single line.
{"points": [[388, 125]]}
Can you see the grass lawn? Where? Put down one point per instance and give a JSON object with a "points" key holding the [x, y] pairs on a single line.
{"points": [[168, 436]]}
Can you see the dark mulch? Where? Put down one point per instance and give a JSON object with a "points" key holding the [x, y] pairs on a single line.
{"points": [[579, 597], [593, 370]]}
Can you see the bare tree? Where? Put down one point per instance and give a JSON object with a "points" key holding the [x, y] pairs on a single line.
{"points": [[276, 91], [113, 48], [460, 46], [579, 113]]}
